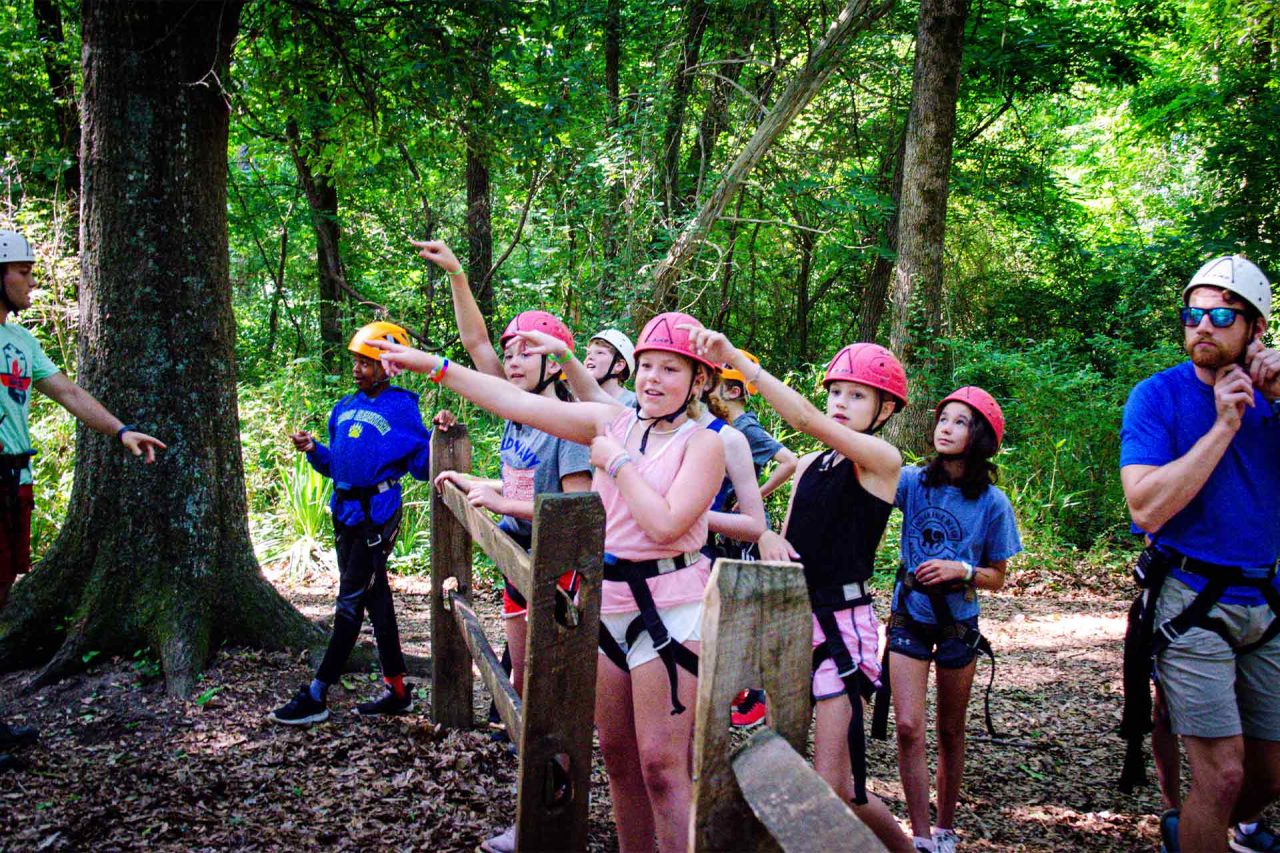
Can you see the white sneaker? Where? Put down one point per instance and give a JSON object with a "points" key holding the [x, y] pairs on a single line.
{"points": [[945, 840], [504, 843]]}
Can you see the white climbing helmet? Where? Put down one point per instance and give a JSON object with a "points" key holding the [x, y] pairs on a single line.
{"points": [[14, 249], [621, 344], [1239, 275]]}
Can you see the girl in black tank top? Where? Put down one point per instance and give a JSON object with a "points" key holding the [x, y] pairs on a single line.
{"points": [[839, 507]]}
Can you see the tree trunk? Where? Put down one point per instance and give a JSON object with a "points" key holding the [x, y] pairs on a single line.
{"points": [[612, 59], [875, 294], [917, 278], [826, 56], [154, 557], [331, 274], [696, 15], [62, 83], [479, 202]]}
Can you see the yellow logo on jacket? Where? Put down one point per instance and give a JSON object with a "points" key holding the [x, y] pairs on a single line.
{"points": [[355, 431]]}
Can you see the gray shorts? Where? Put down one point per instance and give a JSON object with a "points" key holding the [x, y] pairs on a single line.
{"points": [[1209, 691]]}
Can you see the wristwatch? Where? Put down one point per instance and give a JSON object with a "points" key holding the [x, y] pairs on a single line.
{"points": [[126, 428]]}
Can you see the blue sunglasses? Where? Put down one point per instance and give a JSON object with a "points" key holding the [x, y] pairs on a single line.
{"points": [[1220, 318]]}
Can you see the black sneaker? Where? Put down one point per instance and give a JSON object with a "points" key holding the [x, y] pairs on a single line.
{"points": [[302, 710], [388, 703], [17, 735]]}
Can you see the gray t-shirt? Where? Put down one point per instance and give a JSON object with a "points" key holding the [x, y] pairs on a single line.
{"points": [[627, 398], [533, 463]]}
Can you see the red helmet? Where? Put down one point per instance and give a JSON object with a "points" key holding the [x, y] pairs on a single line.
{"points": [[662, 334], [869, 364], [537, 321], [982, 403]]}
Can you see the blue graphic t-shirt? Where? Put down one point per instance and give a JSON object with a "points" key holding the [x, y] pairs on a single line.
{"points": [[372, 441], [940, 523], [22, 364], [533, 463], [1234, 519]]}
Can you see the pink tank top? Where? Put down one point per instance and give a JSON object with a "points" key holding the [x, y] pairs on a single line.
{"points": [[625, 539]]}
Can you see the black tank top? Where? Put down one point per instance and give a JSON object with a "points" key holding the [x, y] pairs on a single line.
{"points": [[836, 524]]}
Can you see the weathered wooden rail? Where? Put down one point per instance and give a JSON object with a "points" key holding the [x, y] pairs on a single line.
{"points": [[756, 632], [552, 727]]}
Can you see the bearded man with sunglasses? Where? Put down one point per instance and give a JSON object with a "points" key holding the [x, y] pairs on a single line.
{"points": [[1200, 465]]}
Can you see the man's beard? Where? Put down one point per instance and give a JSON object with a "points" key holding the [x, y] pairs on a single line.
{"points": [[1218, 356]]}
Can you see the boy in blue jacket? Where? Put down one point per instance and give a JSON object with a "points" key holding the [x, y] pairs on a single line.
{"points": [[377, 436]]}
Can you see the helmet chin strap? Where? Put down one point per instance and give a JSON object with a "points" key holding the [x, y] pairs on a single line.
{"points": [[669, 418], [873, 427], [609, 374], [543, 379]]}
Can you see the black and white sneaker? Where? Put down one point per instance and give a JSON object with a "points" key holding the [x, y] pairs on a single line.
{"points": [[301, 710], [387, 704]]}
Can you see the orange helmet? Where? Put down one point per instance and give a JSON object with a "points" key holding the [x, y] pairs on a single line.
{"points": [[732, 374], [379, 330]]}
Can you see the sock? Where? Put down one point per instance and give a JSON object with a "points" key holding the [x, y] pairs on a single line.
{"points": [[923, 844], [395, 683], [1247, 828], [318, 690]]}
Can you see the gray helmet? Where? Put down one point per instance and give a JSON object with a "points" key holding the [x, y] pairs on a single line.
{"points": [[14, 249]]}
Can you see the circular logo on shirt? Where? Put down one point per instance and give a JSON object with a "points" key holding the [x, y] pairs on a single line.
{"points": [[933, 528]]}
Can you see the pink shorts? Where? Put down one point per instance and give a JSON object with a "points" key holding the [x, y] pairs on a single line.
{"points": [[861, 634]]}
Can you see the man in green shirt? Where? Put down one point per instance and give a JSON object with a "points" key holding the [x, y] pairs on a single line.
{"points": [[23, 363]]}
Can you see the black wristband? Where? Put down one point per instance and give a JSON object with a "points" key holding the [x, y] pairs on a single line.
{"points": [[126, 428]]}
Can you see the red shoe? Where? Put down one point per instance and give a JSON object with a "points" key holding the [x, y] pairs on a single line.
{"points": [[749, 708]]}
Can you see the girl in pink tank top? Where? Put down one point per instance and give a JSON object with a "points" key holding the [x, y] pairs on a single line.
{"points": [[657, 472]]}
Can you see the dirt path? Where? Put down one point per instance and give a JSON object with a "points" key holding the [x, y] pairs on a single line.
{"points": [[121, 766]]}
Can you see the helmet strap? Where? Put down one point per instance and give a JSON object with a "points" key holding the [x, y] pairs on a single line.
{"points": [[543, 379], [873, 427], [609, 374]]}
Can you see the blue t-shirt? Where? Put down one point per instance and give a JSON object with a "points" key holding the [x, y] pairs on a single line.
{"points": [[763, 445], [940, 523], [1234, 520], [373, 440], [533, 463]]}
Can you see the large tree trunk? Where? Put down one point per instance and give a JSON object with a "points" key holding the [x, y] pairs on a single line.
{"points": [[917, 279], [696, 13], [875, 294], [154, 557]]}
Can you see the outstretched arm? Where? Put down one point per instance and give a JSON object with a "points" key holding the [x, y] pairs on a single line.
{"points": [[581, 382], [878, 459], [94, 415], [471, 327], [575, 422]]}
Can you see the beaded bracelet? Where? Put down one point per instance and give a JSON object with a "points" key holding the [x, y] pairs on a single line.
{"points": [[759, 370], [616, 463], [437, 375]]}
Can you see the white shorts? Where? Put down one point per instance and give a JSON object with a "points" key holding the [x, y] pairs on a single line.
{"points": [[683, 621]]}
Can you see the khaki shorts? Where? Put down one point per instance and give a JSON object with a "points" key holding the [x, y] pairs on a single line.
{"points": [[1210, 692], [683, 621]]}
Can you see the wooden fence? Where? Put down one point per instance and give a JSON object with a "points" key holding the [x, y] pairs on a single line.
{"points": [[552, 727], [756, 632]]}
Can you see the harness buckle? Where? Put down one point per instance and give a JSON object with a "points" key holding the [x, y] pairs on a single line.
{"points": [[854, 590], [666, 565], [1169, 632]]}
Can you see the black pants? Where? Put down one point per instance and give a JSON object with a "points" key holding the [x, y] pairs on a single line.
{"points": [[363, 585]]}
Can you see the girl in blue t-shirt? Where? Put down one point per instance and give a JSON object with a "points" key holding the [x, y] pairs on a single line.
{"points": [[958, 533]]}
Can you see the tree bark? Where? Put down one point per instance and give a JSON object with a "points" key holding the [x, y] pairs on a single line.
{"points": [[826, 56], [918, 276], [62, 83], [158, 556]]}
